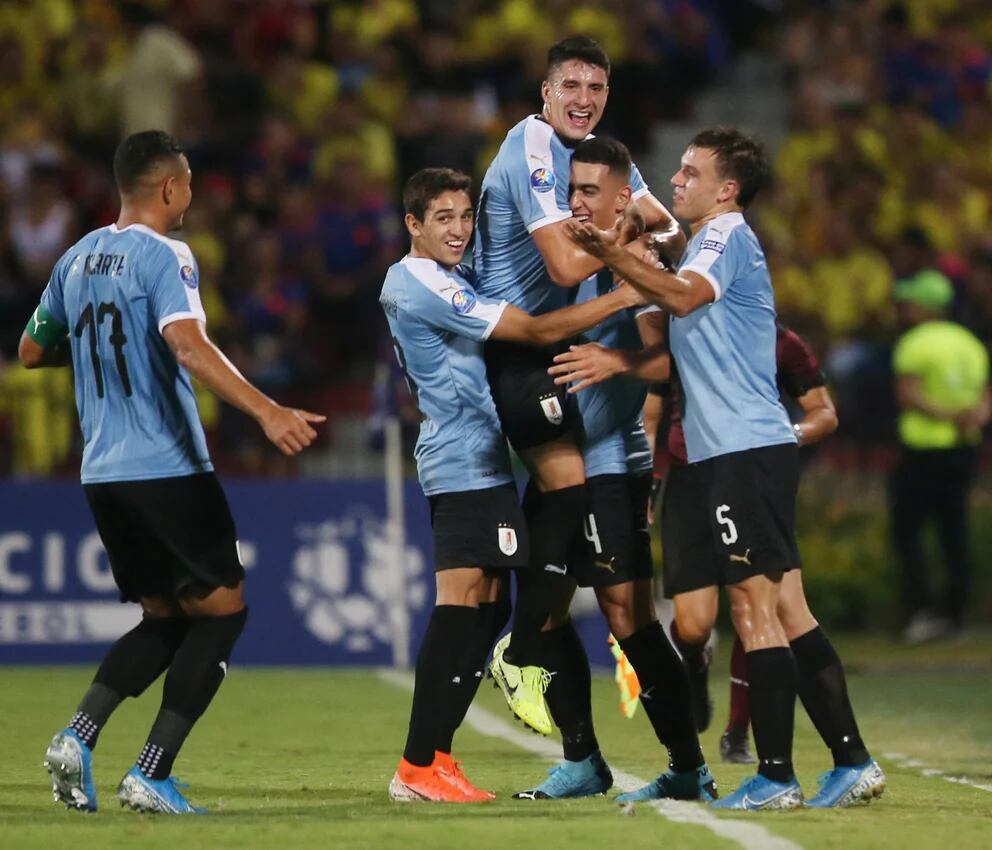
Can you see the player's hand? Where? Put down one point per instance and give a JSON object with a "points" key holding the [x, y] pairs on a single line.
{"points": [[632, 225], [631, 297], [289, 429], [667, 246], [586, 365], [593, 240]]}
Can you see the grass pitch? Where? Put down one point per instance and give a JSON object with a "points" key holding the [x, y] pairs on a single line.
{"points": [[302, 758]]}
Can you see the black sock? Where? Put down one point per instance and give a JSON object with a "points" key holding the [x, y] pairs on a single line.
{"points": [[553, 521], [823, 691], [771, 674], [492, 618], [569, 695], [665, 694], [450, 629], [195, 675], [134, 661]]}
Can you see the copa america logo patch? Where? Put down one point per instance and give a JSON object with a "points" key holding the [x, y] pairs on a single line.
{"points": [[463, 300], [507, 539], [188, 274], [712, 245], [542, 180]]}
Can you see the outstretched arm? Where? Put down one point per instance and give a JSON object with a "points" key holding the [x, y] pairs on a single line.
{"points": [[287, 428]]}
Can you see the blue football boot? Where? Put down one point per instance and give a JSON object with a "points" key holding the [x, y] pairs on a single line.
{"points": [[759, 792], [70, 762], [154, 795], [695, 784], [584, 778], [845, 786]]}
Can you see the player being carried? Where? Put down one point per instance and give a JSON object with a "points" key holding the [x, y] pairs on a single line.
{"points": [[123, 307], [439, 324], [524, 255]]}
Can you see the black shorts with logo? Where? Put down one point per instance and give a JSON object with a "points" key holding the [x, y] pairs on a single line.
{"points": [[728, 518], [615, 546], [532, 410], [167, 537], [479, 528]]}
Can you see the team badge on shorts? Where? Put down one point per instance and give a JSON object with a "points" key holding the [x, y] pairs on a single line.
{"points": [[552, 410], [542, 180], [463, 301], [507, 540]]}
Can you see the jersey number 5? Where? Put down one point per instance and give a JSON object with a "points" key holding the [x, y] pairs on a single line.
{"points": [[89, 321], [730, 534]]}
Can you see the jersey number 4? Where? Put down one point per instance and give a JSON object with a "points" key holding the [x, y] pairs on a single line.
{"points": [[89, 320]]}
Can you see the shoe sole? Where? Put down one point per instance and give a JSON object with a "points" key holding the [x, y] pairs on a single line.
{"points": [[863, 792], [400, 792], [64, 763], [137, 797]]}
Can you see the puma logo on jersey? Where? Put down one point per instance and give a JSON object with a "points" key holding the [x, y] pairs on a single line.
{"points": [[743, 559], [38, 322], [551, 568]]}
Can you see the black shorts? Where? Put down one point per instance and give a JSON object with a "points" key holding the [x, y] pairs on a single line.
{"points": [[532, 410], [167, 536], [728, 518], [479, 528], [615, 546]]}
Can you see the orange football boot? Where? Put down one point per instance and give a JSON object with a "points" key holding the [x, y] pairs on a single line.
{"points": [[451, 770], [411, 783]]}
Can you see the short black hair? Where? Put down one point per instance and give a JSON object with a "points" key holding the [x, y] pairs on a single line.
{"points": [[739, 157], [580, 47], [427, 184], [139, 153], [602, 150]]}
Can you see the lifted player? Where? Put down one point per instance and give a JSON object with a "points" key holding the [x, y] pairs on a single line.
{"points": [[439, 322], [123, 306]]}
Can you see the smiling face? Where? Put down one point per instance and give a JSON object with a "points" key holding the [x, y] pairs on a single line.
{"points": [[700, 192], [596, 194], [574, 98], [445, 232]]}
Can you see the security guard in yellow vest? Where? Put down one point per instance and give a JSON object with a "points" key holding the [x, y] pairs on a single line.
{"points": [[942, 388]]}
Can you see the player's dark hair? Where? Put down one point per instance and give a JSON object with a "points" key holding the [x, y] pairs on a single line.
{"points": [[427, 184], [739, 157], [580, 47], [139, 153], [602, 150]]}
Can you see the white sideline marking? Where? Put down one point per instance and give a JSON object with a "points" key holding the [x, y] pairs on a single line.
{"points": [[902, 760], [750, 836]]}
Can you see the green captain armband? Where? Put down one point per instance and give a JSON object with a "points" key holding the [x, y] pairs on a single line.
{"points": [[45, 329]]}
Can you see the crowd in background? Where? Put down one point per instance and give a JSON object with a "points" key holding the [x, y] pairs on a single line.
{"points": [[302, 118]]}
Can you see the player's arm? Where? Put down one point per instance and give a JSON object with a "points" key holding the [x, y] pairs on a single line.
{"points": [[910, 396], [45, 341], [515, 325], [287, 428], [819, 416], [679, 294], [585, 365]]}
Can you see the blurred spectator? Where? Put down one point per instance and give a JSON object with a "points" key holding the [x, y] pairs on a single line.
{"points": [[41, 226], [942, 375]]}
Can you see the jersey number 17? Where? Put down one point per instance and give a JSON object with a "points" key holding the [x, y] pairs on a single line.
{"points": [[89, 320]]}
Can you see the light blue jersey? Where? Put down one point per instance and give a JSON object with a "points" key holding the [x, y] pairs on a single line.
{"points": [[525, 188], [438, 323], [725, 351], [613, 438], [115, 290]]}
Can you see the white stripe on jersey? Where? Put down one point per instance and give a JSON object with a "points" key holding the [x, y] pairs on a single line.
{"points": [[184, 257], [430, 274], [537, 147], [714, 242]]}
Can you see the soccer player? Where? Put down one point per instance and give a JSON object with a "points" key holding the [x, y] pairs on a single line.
{"points": [[738, 502], [123, 307], [439, 324], [524, 256], [613, 554]]}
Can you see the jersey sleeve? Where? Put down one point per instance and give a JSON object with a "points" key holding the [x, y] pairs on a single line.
{"points": [[638, 187], [798, 369], [450, 303], [720, 258], [173, 284], [539, 195], [53, 299]]}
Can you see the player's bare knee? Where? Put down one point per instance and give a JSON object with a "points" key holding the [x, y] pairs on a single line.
{"points": [[213, 602], [160, 607]]}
